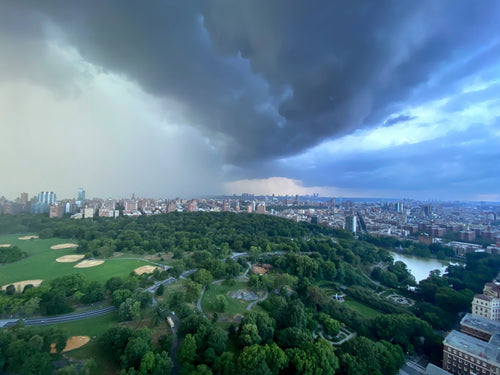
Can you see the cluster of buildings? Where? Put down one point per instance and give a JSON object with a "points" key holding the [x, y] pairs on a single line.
{"points": [[475, 348], [461, 226]]}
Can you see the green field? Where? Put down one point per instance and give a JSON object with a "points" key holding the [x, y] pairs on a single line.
{"points": [[362, 309], [93, 328], [234, 306], [41, 262]]}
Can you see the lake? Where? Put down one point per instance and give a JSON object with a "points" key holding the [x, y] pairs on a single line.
{"points": [[420, 267]]}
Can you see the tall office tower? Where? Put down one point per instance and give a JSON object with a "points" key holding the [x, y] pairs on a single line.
{"points": [[332, 203], [350, 223], [427, 210], [80, 201], [399, 207], [296, 200]]}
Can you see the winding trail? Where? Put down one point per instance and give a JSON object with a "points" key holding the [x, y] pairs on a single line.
{"points": [[252, 304], [198, 303]]}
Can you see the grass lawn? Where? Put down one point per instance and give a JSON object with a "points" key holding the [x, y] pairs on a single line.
{"points": [[93, 328], [362, 309], [234, 307], [89, 327], [41, 262]]}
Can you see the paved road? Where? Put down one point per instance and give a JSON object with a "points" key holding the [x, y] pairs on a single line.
{"points": [[64, 318], [175, 345], [187, 273]]}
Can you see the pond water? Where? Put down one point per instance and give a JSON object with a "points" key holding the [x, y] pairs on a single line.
{"points": [[420, 267]]}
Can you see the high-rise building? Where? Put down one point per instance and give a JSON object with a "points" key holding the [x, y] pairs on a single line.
{"points": [[80, 200], [47, 197], [24, 198], [44, 201], [56, 210], [261, 208], [350, 223], [427, 210], [172, 206], [192, 205]]}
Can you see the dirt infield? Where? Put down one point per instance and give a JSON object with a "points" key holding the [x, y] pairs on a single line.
{"points": [[21, 284], [28, 238], [73, 342], [70, 258], [88, 263], [5, 245], [145, 269], [64, 246]]}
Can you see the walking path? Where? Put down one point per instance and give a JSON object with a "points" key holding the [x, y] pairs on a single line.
{"points": [[252, 304]]}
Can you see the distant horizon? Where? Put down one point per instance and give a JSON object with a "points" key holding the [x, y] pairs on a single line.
{"points": [[338, 199]]}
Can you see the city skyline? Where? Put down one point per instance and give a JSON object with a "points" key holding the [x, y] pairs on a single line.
{"points": [[366, 100]]}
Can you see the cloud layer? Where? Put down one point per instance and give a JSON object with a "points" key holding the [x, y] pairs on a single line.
{"points": [[260, 90]]}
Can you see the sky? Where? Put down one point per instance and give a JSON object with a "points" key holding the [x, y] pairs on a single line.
{"points": [[389, 99]]}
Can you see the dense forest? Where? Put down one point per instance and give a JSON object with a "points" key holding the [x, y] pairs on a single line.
{"points": [[292, 331]]}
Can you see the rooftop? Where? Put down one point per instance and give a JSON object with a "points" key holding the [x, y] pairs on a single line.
{"points": [[481, 324], [487, 351]]}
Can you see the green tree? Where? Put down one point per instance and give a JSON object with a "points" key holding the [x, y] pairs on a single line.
{"points": [[187, 350], [221, 303], [129, 310], [202, 277]]}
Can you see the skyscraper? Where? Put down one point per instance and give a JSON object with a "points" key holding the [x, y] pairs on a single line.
{"points": [[80, 200], [350, 223]]}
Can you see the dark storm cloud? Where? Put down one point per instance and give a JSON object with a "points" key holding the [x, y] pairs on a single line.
{"points": [[265, 79]]}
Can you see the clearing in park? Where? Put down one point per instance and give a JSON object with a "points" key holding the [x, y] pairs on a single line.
{"points": [[88, 263], [26, 238], [73, 342], [41, 262], [64, 246], [146, 269], [70, 258]]}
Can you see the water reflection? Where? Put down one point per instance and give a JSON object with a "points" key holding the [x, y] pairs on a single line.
{"points": [[420, 267]]}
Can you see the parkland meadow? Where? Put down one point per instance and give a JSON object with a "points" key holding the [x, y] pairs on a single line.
{"points": [[41, 262]]}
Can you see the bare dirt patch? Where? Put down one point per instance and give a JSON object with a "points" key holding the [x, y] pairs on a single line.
{"points": [[5, 245], [261, 269], [88, 263], [73, 342], [70, 258], [64, 246], [28, 238], [145, 269], [21, 284]]}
